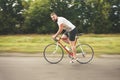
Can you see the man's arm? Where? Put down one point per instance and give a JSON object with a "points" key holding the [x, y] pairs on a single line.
{"points": [[59, 31]]}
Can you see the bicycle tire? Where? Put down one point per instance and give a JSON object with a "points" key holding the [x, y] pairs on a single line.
{"points": [[53, 53], [84, 53]]}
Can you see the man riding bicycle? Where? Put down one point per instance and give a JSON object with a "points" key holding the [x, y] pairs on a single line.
{"points": [[70, 32]]}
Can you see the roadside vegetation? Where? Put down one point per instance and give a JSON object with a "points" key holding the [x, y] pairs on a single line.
{"points": [[35, 43]]}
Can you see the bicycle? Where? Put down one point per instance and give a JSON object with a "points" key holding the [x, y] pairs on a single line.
{"points": [[54, 53]]}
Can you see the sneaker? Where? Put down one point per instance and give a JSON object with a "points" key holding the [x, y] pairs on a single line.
{"points": [[73, 60]]}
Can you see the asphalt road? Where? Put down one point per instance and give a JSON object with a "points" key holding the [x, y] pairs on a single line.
{"points": [[36, 68]]}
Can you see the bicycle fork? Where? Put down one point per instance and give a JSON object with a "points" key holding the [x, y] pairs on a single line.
{"points": [[55, 49], [83, 53]]}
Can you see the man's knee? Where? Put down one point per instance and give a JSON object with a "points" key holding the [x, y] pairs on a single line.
{"points": [[64, 38]]}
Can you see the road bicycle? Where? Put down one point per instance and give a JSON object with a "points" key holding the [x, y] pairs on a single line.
{"points": [[54, 53]]}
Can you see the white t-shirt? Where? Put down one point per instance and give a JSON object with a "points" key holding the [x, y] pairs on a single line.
{"points": [[68, 26]]}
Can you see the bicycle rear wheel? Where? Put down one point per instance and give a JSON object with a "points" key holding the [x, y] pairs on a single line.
{"points": [[53, 53], [84, 53]]}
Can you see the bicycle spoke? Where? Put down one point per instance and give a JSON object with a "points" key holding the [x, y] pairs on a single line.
{"points": [[84, 53], [53, 53]]}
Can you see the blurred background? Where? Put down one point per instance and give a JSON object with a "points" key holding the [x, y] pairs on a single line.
{"points": [[25, 25]]}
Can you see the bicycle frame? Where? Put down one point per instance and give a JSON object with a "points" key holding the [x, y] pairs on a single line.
{"points": [[83, 51], [59, 43]]}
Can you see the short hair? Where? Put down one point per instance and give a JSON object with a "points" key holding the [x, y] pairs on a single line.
{"points": [[53, 13]]}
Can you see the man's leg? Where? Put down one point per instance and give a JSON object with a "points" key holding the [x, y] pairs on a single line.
{"points": [[73, 42], [73, 47], [65, 38]]}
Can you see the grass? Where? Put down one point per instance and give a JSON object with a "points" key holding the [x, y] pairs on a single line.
{"points": [[34, 43], [24, 43]]}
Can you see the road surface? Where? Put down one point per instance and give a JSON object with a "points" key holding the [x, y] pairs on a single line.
{"points": [[36, 68]]}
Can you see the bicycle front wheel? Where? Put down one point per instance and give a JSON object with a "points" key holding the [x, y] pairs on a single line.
{"points": [[84, 53], [53, 53]]}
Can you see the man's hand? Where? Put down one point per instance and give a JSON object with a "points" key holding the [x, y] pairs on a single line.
{"points": [[54, 36]]}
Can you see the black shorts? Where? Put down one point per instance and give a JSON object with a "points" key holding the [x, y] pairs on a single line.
{"points": [[71, 34]]}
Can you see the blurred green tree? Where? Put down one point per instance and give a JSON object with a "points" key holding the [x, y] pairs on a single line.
{"points": [[10, 16], [38, 17]]}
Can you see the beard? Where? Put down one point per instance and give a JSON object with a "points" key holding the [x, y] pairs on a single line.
{"points": [[55, 20]]}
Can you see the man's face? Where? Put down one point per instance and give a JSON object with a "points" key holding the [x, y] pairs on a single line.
{"points": [[54, 18]]}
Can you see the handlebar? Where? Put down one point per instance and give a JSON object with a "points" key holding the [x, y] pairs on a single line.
{"points": [[55, 39]]}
